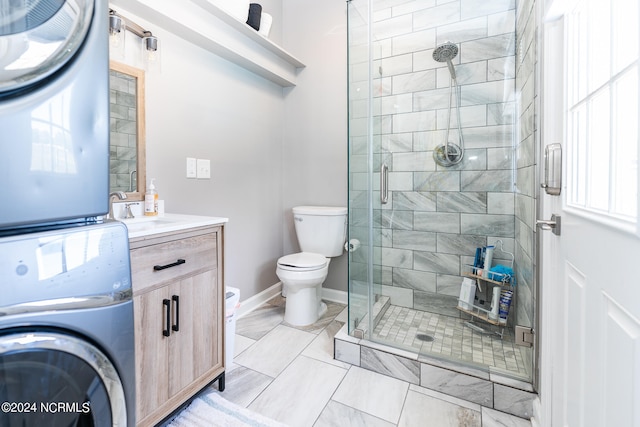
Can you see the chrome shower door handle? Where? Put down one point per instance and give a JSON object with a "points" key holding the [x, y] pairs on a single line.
{"points": [[384, 183]]}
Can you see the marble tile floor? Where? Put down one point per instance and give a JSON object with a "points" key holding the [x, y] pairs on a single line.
{"points": [[400, 326], [288, 374]]}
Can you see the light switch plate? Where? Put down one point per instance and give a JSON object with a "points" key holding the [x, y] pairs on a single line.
{"points": [[191, 167], [204, 168]]}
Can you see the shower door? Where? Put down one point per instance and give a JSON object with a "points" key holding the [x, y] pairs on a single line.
{"points": [[418, 223], [364, 258]]}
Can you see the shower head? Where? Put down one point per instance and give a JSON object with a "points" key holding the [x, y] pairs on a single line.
{"points": [[445, 53]]}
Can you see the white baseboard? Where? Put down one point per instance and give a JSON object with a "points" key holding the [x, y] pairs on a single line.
{"points": [[537, 412], [334, 295], [251, 303]]}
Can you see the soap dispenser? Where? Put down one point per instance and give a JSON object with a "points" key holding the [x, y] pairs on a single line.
{"points": [[151, 200]]}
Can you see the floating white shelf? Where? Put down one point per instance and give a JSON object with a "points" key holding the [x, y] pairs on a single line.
{"points": [[208, 26]]}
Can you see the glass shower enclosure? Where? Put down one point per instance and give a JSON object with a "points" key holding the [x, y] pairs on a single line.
{"points": [[415, 224]]}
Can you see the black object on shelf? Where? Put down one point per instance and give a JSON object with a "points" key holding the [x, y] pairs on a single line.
{"points": [[255, 13]]}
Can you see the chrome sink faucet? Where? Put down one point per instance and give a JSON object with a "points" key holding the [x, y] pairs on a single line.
{"points": [[120, 195], [128, 213]]}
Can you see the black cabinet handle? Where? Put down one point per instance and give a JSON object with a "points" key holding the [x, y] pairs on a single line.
{"points": [[167, 306], [176, 326], [173, 264]]}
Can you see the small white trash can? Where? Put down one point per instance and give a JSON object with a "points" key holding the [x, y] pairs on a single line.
{"points": [[232, 302]]}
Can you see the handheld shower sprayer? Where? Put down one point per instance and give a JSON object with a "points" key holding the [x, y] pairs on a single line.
{"points": [[451, 69], [449, 154], [445, 53]]}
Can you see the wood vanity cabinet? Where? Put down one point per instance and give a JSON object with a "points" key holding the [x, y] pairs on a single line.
{"points": [[178, 294]]}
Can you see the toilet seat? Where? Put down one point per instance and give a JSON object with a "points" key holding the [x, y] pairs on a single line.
{"points": [[303, 261]]}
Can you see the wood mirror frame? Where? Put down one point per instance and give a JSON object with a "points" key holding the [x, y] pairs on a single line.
{"points": [[117, 123]]}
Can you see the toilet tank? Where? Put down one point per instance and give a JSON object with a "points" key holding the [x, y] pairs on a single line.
{"points": [[321, 229]]}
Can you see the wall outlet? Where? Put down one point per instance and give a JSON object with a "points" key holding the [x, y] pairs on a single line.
{"points": [[204, 168], [191, 168]]}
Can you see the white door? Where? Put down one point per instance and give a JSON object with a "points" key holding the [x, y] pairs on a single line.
{"points": [[590, 273]]}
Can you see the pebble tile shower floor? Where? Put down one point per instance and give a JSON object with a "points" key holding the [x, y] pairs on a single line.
{"points": [[402, 326]]}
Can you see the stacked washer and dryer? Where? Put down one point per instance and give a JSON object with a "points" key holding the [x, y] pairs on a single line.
{"points": [[66, 310]]}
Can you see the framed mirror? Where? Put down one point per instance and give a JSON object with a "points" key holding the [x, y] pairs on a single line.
{"points": [[127, 155]]}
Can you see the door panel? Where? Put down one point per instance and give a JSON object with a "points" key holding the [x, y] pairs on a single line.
{"points": [[151, 351], [207, 330], [180, 371], [574, 360], [590, 298], [621, 345], [194, 350]]}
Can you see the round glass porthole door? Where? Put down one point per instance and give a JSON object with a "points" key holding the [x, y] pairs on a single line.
{"points": [[37, 37], [49, 379]]}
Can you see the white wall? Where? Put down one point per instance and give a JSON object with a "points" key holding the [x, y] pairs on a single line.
{"points": [[315, 127], [202, 106], [274, 8]]}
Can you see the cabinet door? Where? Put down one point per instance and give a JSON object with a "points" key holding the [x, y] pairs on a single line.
{"points": [[151, 351], [208, 323], [194, 350]]}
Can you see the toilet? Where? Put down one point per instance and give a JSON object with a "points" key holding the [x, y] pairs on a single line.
{"points": [[321, 232]]}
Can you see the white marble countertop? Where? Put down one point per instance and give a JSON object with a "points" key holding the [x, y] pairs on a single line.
{"points": [[150, 225]]}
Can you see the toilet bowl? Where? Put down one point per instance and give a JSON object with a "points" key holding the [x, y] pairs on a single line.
{"points": [[302, 275], [321, 233]]}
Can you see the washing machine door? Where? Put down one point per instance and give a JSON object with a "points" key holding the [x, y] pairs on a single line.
{"points": [[56, 380], [37, 37]]}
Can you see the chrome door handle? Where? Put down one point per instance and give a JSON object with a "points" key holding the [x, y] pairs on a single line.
{"points": [[384, 183], [552, 224]]}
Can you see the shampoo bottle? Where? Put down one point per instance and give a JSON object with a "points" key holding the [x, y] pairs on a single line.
{"points": [[151, 200], [495, 303]]}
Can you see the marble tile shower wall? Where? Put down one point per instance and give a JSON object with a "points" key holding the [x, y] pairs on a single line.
{"points": [[122, 145], [436, 217]]}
